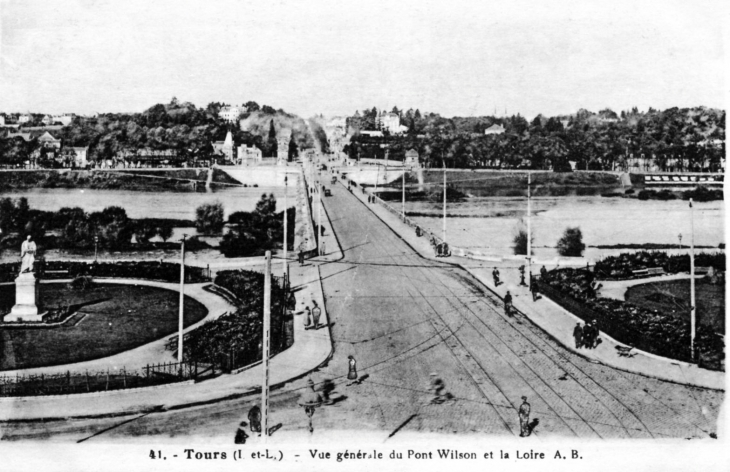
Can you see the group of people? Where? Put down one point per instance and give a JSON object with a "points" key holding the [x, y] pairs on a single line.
{"points": [[586, 336], [311, 320]]}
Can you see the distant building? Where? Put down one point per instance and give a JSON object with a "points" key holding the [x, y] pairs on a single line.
{"points": [[412, 158], [494, 129], [224, 148], [80, 160], [2, 120], [372, 134], [48, 141], [391, 123], [231, 113], [47, 120], [249, 155], [282, 145], [24, 118]]}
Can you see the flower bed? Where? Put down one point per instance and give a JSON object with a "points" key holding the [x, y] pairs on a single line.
{"points": [[147, 270], [645, 329], [234, 339], [622, 266]]}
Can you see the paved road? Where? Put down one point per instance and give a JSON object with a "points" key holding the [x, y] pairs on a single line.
{"points": [[403, 317]]}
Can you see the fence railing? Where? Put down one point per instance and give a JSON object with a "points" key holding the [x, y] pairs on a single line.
{"points": [[88, 382]]}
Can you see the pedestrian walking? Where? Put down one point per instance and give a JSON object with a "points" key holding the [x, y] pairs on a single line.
{"points": [[578, 335], [316, 313], [322, 250], [438, 387], [508, 304], [241, 435], [307, 318], [495, 275], [534, 288], [322, 230], [588, 336], [254, 419], [352, 370], [301, 257], [524, 414], [596, 332], [543, 274]]}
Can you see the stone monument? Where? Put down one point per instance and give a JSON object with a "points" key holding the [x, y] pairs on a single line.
{"points": [[26, 287]]}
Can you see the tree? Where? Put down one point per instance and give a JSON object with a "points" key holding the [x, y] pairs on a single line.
{"points": [[293, 150], [164, 230], [113, 227], [571, 244], [209, 218], [519, 243], [144, 231]]}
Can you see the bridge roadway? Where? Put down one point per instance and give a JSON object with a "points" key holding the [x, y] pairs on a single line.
{"points": [[404, 317]]}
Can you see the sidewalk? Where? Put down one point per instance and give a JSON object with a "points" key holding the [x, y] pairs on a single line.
{"points": [[552, 318], [310, 350]]}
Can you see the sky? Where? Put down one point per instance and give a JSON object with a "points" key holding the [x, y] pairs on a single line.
{"points": [[456, 58]]}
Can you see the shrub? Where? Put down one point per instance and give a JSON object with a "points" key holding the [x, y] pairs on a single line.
{"points": [[519, 242], [209, 218], [82, 282], [629, 191], [571, 244]]}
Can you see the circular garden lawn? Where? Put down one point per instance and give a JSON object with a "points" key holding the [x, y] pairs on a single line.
{"points": [[672, 297], [109, 319]]}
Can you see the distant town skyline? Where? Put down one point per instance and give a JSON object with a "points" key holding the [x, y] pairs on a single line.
{"points": [[453, 58]]}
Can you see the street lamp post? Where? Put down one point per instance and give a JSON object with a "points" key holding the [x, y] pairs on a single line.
{"points": [[444, 229], [286, 224], [182, 295], [96, 247], [529, 227], [693, 307], [403, 202], [265, 347], [680, 240]]}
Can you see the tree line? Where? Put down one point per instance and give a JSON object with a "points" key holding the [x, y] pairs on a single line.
{"points": [[677, 139], [177, 126]]}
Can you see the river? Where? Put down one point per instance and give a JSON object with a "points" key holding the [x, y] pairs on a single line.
{"points": [[173, 205], [490, 223]]}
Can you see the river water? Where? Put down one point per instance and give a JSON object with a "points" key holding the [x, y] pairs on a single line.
{"points": [[174, 205], [179, 205], [490, 223]]}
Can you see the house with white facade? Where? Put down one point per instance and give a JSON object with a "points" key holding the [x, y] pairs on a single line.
{"points": [[494, 129], [249, 155], [225, 147], [231, 113]]}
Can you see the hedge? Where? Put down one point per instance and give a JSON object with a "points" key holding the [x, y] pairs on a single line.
{"points": [[621, 266], [645, 329], [146, 270]]}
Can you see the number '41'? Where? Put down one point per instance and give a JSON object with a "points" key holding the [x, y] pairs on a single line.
{"points": [[155, 454]]}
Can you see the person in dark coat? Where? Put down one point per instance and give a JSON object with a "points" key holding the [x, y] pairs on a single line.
{"points": [[588, 336], [508, 304], [254, 419], [534, 288], [495, 275], [578, 335], [524, 415], [301, 257]]}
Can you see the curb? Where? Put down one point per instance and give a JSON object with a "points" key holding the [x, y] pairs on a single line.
{"points": [[623, 369]]}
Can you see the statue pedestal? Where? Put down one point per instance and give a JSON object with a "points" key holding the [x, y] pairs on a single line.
{"points": [[25, 308]]}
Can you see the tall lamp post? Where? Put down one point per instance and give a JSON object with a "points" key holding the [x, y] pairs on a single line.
{"points": [[680, 240], [693, 307], [529, 228], [286, 224], [182, 295], [443, 234], [96, 247]]}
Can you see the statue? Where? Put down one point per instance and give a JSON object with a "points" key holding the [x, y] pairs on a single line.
{"points": [[27, 255]]}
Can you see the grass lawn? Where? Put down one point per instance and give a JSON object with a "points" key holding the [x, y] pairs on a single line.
{"points": [[118, 318], [673, 297]]}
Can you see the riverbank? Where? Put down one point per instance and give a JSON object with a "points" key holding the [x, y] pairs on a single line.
{"points": [[140, 180]]}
